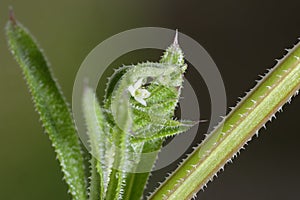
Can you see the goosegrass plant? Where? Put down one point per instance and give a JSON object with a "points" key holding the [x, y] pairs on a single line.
{"points": [[136, 117]]}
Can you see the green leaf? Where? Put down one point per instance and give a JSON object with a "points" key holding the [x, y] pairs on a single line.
{"points": [[134, 111], [118, 173], [96, 184], [162, 131], [153, 123], [51, 105], [120, 133], [95, 124], [113, 80]]}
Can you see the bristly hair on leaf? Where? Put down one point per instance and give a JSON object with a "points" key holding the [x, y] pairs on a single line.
{"points": [[50, 104]]}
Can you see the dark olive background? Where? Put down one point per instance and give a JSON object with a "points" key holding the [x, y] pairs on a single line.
{"points": [[243, 38]]}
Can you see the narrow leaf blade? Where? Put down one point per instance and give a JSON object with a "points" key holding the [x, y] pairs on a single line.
{"points": [[51, 105], [94, 122]]}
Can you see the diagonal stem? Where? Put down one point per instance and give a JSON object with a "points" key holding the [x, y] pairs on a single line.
{"points": [[259, 106]]}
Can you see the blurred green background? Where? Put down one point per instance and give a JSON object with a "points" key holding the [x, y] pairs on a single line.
{"points": [[243, 38]]}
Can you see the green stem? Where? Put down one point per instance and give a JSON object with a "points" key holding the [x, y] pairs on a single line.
{"points": [[259, 106], [95, 182]]}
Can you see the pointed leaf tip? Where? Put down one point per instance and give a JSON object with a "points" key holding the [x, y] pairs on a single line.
{"points": [[54, 111], [175, 42], [11, 15]]}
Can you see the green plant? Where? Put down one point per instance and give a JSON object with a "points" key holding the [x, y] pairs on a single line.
{"points": [[132, 106]]}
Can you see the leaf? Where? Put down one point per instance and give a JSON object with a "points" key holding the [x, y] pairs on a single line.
{"points": [[95, 122], [118, 173], [96, 184], [114, 79], [51, 105], [163, 131], [125, 114], [120, 133], [165, 92]]}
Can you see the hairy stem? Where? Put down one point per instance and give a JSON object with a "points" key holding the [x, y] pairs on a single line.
{"points": [[259, 106]]}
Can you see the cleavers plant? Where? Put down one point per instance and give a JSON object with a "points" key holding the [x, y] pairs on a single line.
{"points": [[136, 116]]}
